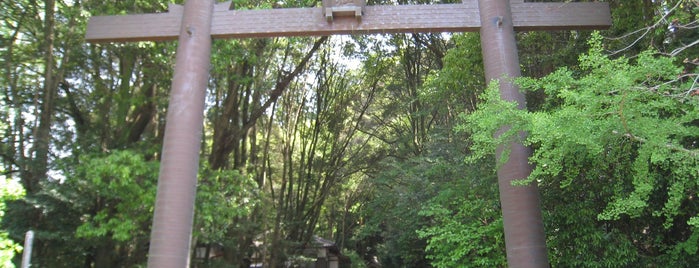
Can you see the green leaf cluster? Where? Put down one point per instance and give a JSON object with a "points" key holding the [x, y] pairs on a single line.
{"points": [[630, 125], [125, 183], [222, 197], [9, 190], [465, 227]]}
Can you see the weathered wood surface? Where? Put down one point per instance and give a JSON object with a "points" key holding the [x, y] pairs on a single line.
{"points": [[376, 19]]}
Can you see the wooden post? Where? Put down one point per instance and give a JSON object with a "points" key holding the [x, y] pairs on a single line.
{"points": [[525, 240], [27, 251], [174, 204]]}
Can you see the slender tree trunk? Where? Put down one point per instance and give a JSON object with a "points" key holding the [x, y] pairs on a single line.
{"points": [[104, 254], [42, 137], [265, 169], [15, 155]]}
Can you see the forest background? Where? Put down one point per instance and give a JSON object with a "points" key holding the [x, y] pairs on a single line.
{"points": [[381, 143]]}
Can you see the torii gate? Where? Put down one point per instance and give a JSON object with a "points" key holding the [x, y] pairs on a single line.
{"points": [[195, 24]]}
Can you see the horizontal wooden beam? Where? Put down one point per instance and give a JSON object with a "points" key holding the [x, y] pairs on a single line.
{"points": [[376, 19], [138, 27], [553, 16]]}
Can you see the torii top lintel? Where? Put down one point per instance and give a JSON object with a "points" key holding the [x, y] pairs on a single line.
{"points": [[462, 17]]}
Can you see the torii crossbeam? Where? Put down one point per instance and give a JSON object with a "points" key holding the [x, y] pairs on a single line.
{"points": [[195, 24], [376, 19]]}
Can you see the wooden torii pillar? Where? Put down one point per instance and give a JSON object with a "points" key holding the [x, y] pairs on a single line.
{"points": [[195, 24]]}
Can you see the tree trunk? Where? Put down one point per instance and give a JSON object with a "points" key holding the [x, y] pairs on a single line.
{"points": [[42, 136]]}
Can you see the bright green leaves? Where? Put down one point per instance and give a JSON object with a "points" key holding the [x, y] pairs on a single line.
{"points": [[466, 232], [124, 184], [460, 81], [222, 197], [9, 190], [626, 123], [484, 122]]}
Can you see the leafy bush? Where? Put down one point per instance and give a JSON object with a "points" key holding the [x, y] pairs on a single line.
{"points": [[615, 153], [9, 190]]}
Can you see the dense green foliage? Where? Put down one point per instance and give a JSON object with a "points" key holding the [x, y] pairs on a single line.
{"points": [[9, 190], [125, 184], [356, 139], [616, 142], [465, 223]]}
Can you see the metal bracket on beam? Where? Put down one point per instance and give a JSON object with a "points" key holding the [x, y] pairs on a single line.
{"points": [[343, 8]]}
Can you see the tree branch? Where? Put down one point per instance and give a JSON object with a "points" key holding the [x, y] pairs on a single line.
{"points": [[645, 30], [693, 153], [281, 85]]}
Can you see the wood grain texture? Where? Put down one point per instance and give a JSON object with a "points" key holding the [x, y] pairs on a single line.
{"points": [[376, 19], [561, 16], [139, 27]]}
